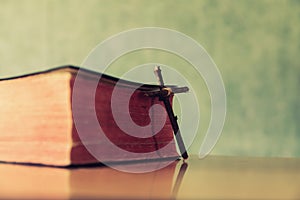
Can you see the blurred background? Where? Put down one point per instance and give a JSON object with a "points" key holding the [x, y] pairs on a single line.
{"points": [[255, 45]]}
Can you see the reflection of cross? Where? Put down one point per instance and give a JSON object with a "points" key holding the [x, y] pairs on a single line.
{"points": [[164, 95]]}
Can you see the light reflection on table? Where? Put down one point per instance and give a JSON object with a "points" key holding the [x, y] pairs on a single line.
{"points": [[214, 177]]}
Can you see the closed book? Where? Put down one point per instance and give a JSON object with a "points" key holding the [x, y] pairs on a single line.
{"points": [[69, 115]]}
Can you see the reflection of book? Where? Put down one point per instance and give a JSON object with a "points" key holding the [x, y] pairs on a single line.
{"points": [[215, 177], [37, 123], [31, 182]]}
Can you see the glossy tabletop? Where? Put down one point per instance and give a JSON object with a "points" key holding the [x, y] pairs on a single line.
{"points": [[215, 177]]}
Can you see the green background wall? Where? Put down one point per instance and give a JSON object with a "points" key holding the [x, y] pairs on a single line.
{"points": [[255, 45]]}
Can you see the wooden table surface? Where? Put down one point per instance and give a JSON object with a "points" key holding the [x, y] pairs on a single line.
{"points": [[215, 177]]}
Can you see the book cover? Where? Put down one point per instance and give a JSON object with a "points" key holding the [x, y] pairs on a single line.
{"points": [[38, 126]]}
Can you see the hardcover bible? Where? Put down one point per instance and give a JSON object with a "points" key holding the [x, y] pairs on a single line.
{"points": [[37, 120]]}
